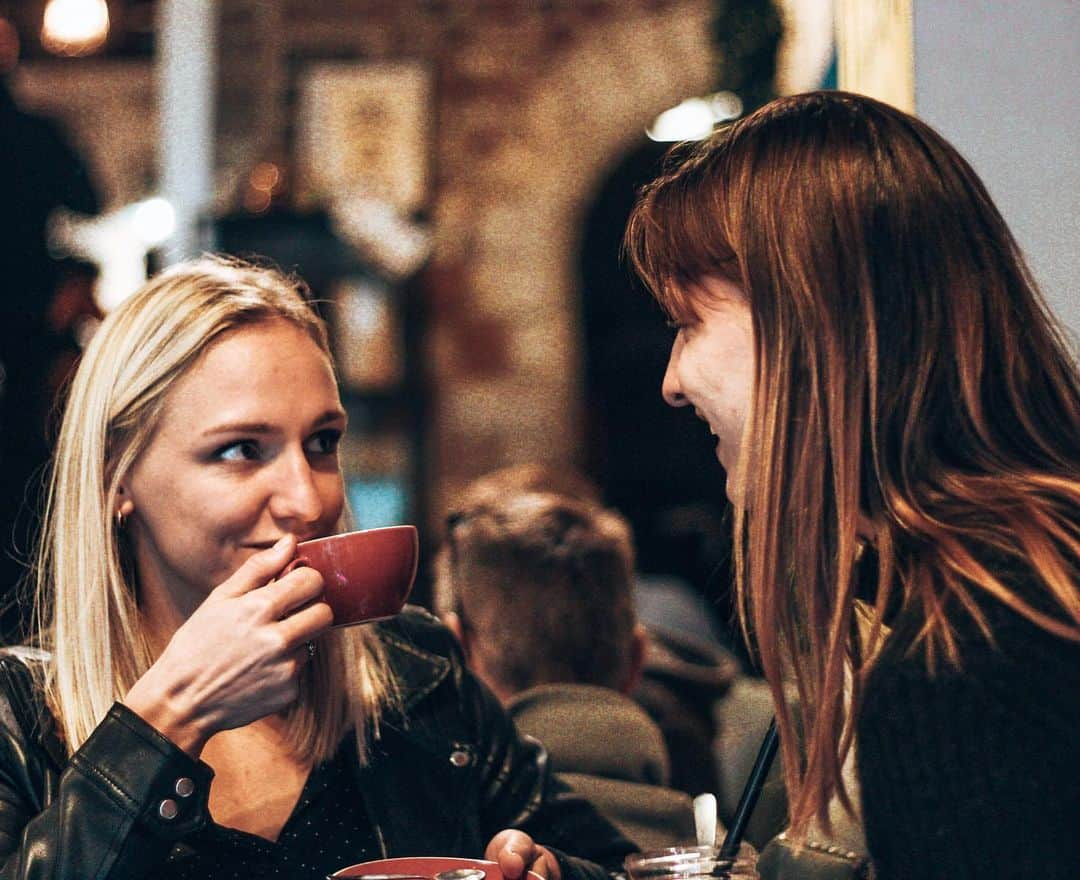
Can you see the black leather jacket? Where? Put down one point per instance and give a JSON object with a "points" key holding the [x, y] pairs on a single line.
{"points": [[444, 776]]}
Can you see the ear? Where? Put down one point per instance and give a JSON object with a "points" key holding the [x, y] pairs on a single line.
{"points": [[639, 649], [123, 498], [454, 624]]}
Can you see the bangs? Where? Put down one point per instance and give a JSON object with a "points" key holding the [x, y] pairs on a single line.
{"points": [[678, 232]]}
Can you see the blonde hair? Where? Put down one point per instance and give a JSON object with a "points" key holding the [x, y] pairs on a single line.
{"points": [[906, 370], [86, 609]]}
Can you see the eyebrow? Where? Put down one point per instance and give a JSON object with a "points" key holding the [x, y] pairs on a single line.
{"points": [[330, 417]]}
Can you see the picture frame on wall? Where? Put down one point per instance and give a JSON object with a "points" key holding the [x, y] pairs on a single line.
{"points": [[364, 127]]}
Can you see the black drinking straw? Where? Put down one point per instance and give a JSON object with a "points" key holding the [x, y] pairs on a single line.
{"points": [[754, 783]]}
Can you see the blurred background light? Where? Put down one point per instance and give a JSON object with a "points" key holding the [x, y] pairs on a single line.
{"points": [[695, 118], [154, 220], [117, 242], [75, 27], [689, 121]]}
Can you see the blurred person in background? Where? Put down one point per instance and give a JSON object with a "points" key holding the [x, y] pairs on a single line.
{"points": [[899, 419], [185, 710], [686, 672], [563, 569], [39, 172]]}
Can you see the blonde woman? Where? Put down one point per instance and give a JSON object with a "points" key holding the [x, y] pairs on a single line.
{"points": [[192, 714], [899, 420]]}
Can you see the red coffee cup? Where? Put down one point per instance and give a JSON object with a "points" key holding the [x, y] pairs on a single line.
{"points": [[426, 868], [367, 575]]}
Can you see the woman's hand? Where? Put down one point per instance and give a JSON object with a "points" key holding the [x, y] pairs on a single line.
{"points": [[238, 657], [517, 853]]}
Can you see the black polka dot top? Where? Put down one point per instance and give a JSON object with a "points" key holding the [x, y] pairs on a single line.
{"points": [[327, 830]]}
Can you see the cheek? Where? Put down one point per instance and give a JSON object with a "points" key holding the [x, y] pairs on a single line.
{"points": [[693, 369], [710, 376], [229, 514], [332, 490]]}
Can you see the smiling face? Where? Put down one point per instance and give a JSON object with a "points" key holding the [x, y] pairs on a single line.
{"points": [[711, 368], [246, 451]]}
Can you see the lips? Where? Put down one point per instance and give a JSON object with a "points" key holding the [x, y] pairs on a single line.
{"points": [[259, 546], [270, 542], [706, 421]]}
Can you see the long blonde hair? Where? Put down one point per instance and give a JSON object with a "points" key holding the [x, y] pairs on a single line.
{"points": [[906, 371], [86, 609]]}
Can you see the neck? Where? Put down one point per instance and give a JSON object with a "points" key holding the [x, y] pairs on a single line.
{"points": [[161, 618]]}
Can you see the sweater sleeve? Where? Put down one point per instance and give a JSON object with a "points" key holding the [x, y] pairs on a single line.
{"points": [[127, 795], [972, 772]]}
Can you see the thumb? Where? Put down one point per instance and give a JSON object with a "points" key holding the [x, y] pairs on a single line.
{"points": [[514, 851]]}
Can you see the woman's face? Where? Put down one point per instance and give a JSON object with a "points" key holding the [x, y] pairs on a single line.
{"points": [[711, 368], [246, 451]]}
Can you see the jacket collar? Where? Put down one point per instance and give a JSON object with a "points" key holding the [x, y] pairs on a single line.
{"points": [[417, 670]]}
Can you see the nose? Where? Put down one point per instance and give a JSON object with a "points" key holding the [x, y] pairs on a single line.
{"points": [[296, 502], [671, 388]]}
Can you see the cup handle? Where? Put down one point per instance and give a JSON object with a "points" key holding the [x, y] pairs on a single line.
{"points": [[295, 564]]}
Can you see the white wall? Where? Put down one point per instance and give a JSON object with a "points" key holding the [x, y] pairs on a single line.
{"points": [[1001, 81]]}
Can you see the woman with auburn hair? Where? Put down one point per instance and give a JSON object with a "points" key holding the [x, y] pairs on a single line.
{"points": [[858, 329], [189, 712]]}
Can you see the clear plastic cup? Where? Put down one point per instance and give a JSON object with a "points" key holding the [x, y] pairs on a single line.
{"points": [[689, 863]]}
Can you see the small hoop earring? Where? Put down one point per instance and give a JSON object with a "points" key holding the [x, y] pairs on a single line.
{"points": [[122, 512]]}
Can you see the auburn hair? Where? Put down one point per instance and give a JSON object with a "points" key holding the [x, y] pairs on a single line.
{"points": [[907, 373]]}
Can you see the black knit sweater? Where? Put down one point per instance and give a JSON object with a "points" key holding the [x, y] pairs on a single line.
{"points": [[974, 773]]}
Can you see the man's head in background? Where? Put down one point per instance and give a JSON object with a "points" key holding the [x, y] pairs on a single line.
{"points": [[538, 589]]}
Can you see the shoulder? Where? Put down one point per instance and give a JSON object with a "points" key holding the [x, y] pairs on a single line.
{"points": [[1014, 591], [418, 637], [421, 652], [24, 715], [22, 669], [418, 628], [1005, 660], [579, 722], [438, 693]]}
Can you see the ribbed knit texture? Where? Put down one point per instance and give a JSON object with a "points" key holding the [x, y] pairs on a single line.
{"points": [[974, 773]]}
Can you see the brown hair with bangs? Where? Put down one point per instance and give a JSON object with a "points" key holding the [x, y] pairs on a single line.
{"points": [[907, 373]]}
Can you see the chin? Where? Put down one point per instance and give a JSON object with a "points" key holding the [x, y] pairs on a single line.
{"points": [[733, 497], [735, 487]]}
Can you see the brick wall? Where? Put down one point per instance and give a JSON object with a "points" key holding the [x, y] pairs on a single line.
{"points": [[533, 101]]}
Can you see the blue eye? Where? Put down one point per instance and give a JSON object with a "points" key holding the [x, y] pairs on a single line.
{"points": [[241, 450], [324, 442]]}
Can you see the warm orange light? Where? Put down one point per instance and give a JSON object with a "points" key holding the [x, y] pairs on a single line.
{"points": [[75, 27], [265, 177]]}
